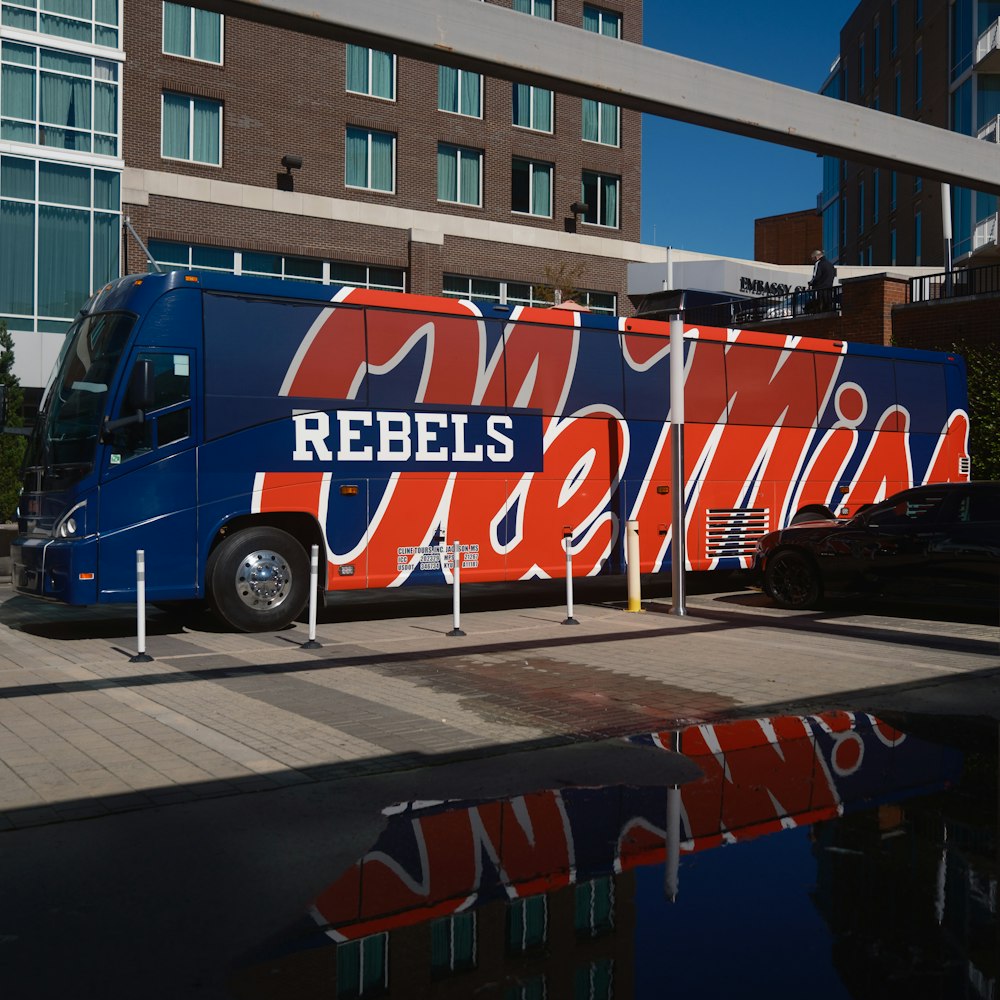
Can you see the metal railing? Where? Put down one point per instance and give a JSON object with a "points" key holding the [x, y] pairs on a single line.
{"points": [[990, 132], [956, 284], [988, 41], [741, 312]]}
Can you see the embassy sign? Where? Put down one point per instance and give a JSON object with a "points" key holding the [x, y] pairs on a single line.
{"points": [[414, 440], [755, 286]]}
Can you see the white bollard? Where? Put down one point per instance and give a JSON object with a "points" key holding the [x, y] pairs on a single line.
{"points": [[569, 619], [456, 606], [140, 607], [313, 584], [632, 555]]}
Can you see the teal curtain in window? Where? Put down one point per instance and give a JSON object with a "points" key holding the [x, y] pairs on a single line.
{"points": [[590, 120], [522, 105], [106, 243], [382, 174], [609, 124], [176, 29], [16, 18], [207, 140], [107, 188], [64, 101], [17, 92], [17, 256], [373, 961], [524, 6], [72, 8], [62, 27], [591, 19], [471, 84], [534, 917], [447, 89], [541, 191], [207, 35], [357, 69], [441, 944], [611, 25], [348, 969], [106, 11], [17, 177], [609, 201], [383, 84], [63, 260], [464, 937], [64, 184], [470, 163], [356, 159], [542, 100], [543, 8], [106, 108], [106, 36], [66, 62], [176, 126], [447, 189]]}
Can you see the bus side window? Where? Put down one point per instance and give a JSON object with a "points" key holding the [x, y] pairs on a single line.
{"points": [[169, 418]]}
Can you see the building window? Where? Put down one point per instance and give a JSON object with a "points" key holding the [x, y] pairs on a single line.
{"points": [[603, 22], [453, 943], [58, 99], [861, 206], [595, 981], [191, 129], [876, 184], [917, 238], [594, 912], [892, 246], [963, 41], [600, 194], [460, 175], [460, 92], [389, 279], [370, 160], [876, 48], [861, 65], [527, 924], [371, 72], [918, 184], [918, 79], [539, 8], [892, 191], [894, 27], [897, 103], [192, 33], [69, 19], [532, 107], [363, 967], [61, 234], [599, 302], [531, 187], [601, 122]]}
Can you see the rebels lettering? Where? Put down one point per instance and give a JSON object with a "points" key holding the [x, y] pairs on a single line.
{"points": [[415, 440]]}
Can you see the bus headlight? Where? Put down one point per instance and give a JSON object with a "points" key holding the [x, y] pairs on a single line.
{"points": [[71, 523]]}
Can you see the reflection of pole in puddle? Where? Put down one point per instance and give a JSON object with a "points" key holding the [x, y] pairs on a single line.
{"points": [[673, 833]]}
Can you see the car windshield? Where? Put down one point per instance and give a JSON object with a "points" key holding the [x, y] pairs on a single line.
{"points": [[66, 433]]}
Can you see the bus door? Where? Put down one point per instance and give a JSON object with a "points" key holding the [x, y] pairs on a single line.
{"points": [[148, 492]]}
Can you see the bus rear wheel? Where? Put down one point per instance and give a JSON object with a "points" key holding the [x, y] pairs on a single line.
{"points": [[258, 579]]}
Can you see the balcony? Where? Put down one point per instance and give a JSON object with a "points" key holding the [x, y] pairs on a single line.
{"points": [[960, 283], [988, 49], [990, 132], [762, 309]]}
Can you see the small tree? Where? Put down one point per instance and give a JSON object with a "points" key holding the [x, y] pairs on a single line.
{"points": [[11, 445], [982, 363], [561, 279]]}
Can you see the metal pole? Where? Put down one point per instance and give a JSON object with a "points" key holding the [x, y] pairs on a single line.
{"points": [[946, 230], [568, 540], [456, 608], [673, 834], [140, 607], [632, 557], [313, 584], [678, 558]]}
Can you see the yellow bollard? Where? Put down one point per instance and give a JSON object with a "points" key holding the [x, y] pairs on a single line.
{"points": [[632, 558]]}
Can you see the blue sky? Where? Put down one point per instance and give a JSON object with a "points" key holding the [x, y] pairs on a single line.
{"points": [[702, 189]]}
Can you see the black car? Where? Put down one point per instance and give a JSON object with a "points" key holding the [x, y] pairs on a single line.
{"points": [[939, 542]]}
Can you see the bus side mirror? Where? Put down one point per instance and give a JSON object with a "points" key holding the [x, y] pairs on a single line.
{"points": [[141, 389]]}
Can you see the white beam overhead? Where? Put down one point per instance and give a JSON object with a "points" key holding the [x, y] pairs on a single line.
{"points": [[500, 43]]}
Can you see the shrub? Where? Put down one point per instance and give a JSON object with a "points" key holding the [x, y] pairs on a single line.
{"points": [[11, 445]]}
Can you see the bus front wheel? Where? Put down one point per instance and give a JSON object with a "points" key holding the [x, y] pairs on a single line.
{"points": [[258, 579]]}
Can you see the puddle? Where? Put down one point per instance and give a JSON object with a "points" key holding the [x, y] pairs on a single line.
{"points": [[832, 853]]}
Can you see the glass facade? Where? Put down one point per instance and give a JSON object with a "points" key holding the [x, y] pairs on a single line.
{"points": [[190, 257], [92, 21], [62, 100], [61, 226]]}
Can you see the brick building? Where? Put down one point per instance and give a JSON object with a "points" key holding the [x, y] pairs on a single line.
{"points": [[227, 144], [787, 238]]}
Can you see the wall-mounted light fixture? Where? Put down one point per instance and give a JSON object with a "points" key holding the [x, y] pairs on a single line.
{"points": [[286, 182], [579, 210]]}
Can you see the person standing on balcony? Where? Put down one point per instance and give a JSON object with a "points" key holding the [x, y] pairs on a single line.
{"points": [[823, 274]]}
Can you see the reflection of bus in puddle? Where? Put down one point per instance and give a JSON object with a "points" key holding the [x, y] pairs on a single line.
{"points": [[533, 896]]}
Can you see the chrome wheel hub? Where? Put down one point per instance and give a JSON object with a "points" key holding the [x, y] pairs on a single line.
{"points": [[263, 579]]}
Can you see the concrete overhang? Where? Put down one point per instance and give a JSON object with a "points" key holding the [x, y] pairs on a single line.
{"points": [[497, 42]]}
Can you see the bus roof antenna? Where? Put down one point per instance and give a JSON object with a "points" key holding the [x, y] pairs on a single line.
{"points": [[142, 246]]}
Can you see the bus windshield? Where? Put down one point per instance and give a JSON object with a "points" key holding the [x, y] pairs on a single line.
{"points": [[65, 437]]}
